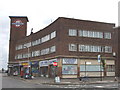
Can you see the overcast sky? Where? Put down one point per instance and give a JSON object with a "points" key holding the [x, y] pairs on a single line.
{"points": [[42, 12]]}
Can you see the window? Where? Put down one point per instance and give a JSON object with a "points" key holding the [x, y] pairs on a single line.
{"points": [[72, 32], [90, 34], [90, 68], [93, 34], [110, 68], [47, 50], [85, 33], [69, 61], [90, 48], [100, 35], [53, 35], [107, 35], [25, 55], [27, 45], [72, 47], [80, 32], [69, 69], [35, 53], [52, 49], [43, 52], [108, 49], [19, 56], [19, 47], [45, 38]]}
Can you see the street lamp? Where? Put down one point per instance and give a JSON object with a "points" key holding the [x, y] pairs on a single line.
{"points": [[29, 66]]}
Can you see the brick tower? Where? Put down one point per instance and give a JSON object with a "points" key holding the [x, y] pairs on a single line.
{"points": [[18, 30]]}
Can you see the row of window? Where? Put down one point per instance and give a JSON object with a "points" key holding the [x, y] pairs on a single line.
{"points": [[109, 68], [72, 69], [38, 41], [90, 48], [86, 33], [37, 53]]}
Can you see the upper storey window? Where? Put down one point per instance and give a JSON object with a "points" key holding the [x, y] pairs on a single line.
{"points": [[53, 35], [107, 35], [72, 47], [45, 38], [72, 32], [93, 34]]}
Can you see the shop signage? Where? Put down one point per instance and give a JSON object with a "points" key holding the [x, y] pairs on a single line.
{"points": [[16, 65], [44, 63], [69, 61], [52, 60], [54, 63], [99, 58], [25, 64], [34, 63]]}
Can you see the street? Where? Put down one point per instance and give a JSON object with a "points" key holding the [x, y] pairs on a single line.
{"points": [[13, 82], [10, 82]]}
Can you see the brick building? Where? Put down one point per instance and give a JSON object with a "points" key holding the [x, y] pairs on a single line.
{"points": [[74, 44], [117, 44]]}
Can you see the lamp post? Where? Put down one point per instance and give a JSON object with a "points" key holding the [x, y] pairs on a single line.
{"points": [[29, 66]]}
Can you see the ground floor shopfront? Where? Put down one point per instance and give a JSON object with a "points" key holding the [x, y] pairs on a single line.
{"points": [[68, 67], [77, 67]]}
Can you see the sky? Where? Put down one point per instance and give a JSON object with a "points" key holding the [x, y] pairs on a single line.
{"points": [[43, 12]]}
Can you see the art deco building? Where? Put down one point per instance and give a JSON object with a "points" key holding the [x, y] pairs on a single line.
{"points": [[74, 44]]}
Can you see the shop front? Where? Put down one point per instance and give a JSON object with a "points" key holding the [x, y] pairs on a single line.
{"points": [[53, 70], [25, 69], [35, 68], [13, 69], [16, 70], [44, 68], [10, 69], [47, 69], [69, 68]]}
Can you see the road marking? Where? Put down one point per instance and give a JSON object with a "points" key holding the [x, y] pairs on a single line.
{"points": [[99, 86]]}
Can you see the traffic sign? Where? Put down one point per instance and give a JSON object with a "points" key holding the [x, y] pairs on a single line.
{"points": [[99, 58], [54, 63]]}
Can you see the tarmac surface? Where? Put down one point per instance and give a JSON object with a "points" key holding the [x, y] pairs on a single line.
{"points": [[108, 83]]}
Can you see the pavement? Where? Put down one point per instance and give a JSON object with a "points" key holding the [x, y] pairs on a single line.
{"points": [[76, 81]]}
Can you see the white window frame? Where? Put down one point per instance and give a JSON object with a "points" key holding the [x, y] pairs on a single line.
{"points": [[53, 35], [72, 32], [72, 47]]}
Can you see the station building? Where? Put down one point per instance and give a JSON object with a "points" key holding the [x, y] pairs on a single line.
{"points": [[74, 44]]}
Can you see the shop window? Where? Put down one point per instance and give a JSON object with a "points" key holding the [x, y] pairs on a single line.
{"points": [[110, 68], [69, 69], [69, 61], [91, 68]]}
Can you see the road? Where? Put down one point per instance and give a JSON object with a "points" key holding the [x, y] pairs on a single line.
{"points": [[11, 82]]}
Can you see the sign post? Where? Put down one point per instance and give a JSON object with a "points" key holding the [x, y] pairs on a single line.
{"points": [[99, 61], [57, 79]]}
